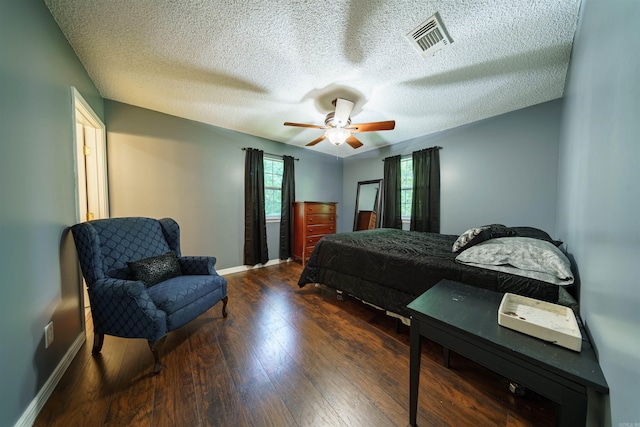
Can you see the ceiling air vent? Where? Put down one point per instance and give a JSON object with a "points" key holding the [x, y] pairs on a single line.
{"points": [[430, 36]]}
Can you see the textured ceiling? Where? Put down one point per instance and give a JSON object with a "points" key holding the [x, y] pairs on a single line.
{"points": [[251, 65]]}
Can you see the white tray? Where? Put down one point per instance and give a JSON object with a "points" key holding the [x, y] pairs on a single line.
{"points": [[550, 322]]}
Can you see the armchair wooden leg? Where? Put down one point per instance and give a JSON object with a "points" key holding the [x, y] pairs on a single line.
{"points": [[156, 348], [98, 340], [225, 300]]}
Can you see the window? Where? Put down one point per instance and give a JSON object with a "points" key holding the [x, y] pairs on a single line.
{"points": [[406, 186], [272, 187]]}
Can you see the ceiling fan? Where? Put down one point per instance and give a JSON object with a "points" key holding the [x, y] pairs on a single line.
{"points": [[339, 128]]}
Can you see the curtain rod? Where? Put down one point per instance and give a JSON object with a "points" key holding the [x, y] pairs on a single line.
{"points": [[436, 147], [269, 154]]}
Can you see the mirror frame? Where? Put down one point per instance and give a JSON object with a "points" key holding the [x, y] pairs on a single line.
{"points": [[378, 202]]}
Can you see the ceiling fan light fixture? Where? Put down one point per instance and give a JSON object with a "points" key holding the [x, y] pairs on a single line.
{"points": [[337, 136], [338, 127]]}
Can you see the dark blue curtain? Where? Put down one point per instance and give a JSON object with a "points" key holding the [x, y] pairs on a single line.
{"points": [[255, 221], [286, 210], [425, 206], [392, 212]]}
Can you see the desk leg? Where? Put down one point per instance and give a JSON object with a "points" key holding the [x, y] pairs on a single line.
{"points": [[414, 371], [573, 410], [446, 355]]}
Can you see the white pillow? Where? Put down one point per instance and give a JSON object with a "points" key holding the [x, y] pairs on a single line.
{"points": [[523, 256]]}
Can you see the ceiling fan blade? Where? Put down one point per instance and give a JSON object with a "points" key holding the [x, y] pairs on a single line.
{"points": [[304, 125], [315, 141], [354, 142], [343, 111], [373, 126]]}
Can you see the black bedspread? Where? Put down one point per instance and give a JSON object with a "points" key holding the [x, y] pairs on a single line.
{"points": [[390, 268]]}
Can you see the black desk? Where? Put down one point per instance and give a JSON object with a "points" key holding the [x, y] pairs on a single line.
{"points": [[464, 319]]}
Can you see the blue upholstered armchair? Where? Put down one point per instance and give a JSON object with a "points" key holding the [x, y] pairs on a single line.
{"points": [[138, 283]]}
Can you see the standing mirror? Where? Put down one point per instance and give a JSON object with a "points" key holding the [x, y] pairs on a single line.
{"points": [[368, 213]]}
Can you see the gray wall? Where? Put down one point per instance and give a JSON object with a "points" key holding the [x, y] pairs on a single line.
{"points": [[499, 170], [597, 202], [599, 193], [165, 166], [39, 275]]}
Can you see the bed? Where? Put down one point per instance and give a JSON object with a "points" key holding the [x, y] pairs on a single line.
{"points": [[389, 268]]}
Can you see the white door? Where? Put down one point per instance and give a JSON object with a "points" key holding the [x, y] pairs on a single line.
{"points": [[91, 166]]}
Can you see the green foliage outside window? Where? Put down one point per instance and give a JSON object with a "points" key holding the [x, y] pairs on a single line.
{"points": [[273, 169], [406, 184]]}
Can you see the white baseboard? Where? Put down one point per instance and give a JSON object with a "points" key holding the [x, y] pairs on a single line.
{"points": [[29, 415], [241, 268]]}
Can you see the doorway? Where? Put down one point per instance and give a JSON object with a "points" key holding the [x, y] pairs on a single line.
{"points": [[90, 149]]}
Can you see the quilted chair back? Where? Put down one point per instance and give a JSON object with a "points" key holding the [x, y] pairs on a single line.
{"points": [[105, 245]]}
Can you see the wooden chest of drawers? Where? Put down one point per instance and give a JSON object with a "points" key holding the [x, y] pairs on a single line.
{"points": [[311, 222], [366, 220]]}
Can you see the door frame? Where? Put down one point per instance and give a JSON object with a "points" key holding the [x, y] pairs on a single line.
{"points": [[88, 119], [88, 115]]}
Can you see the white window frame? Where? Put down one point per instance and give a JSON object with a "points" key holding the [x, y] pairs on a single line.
{"points": [[406, 184], [272, 218]]}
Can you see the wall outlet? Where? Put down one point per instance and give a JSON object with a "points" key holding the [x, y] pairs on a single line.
{"points": [[48, 335]]}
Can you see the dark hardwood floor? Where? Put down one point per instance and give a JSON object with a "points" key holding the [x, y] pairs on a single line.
{"points": [[285, 356]]}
